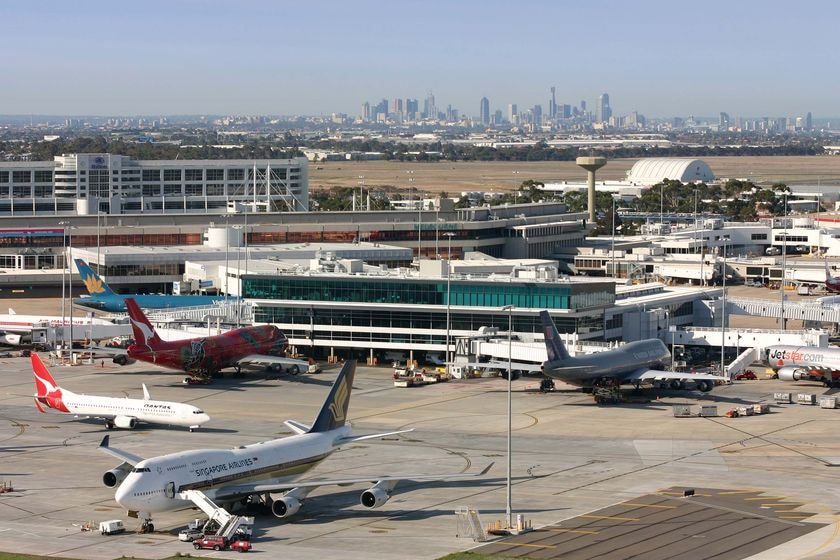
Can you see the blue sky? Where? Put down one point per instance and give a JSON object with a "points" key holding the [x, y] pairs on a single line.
{"points": [[745, 57]]}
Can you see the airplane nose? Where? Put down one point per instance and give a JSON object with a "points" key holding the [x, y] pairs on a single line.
{"points": [[122, 494], [202, 418]]}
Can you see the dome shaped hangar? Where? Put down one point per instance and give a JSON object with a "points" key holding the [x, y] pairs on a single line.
{"points": [[651, 171]]}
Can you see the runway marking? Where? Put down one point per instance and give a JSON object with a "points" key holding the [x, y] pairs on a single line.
{"points": [[789, 504], [582, 532], [648, 505], [788, 511], [531, 545], [609, 517], [765, 498], [737, 492], [793, 517]]}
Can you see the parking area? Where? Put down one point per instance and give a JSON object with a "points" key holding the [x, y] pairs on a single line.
{"points": [[570, 458]]}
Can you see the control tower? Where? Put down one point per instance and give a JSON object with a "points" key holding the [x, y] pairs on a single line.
{"points": [[591, 164]]}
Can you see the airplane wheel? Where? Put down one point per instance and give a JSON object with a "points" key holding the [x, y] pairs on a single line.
{"points": [[109, 425]]}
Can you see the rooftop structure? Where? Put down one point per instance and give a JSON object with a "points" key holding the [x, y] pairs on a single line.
{"points": [[651, 171]]}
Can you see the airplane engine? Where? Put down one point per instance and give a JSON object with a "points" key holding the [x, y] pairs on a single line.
{"points": [[792, 374], [376, 495], [285, 506], [114, 477], [122, 360], [125, 422], [704, 386], [10, 338]]}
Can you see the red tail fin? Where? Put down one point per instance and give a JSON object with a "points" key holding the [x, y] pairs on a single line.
{"points": [[48, 391], [144, 332], [45, 385]]}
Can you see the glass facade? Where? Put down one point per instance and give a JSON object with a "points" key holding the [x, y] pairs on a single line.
{"points": [[406, 325], [431, 292]]}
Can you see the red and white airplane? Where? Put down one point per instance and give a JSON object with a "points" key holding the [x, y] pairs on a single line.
{"points": [[117, 412], [17, 329], [204, 357], [832, 283]]}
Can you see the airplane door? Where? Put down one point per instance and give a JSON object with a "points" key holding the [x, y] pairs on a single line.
{"points": [[169, 490]]}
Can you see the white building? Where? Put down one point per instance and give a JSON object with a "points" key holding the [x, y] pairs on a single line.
{"points": [[89, 183]]}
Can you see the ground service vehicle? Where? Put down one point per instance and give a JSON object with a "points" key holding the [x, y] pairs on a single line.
{"points": [[216, 542], [190, 534], [111, 527]]}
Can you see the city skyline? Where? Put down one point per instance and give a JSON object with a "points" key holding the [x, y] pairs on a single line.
{"points": [[212, 57]]}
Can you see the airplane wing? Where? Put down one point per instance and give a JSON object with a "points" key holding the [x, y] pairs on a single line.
{"points": [[239, 490], [657, 374], [267, 360], [124, 456]]}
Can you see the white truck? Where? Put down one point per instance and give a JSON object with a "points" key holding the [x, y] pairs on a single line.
{"points": [[111, 527]]}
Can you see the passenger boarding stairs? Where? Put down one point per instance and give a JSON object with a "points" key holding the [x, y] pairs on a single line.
{"points": [[228, 523]]}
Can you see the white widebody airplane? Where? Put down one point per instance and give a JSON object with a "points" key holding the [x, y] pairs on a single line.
{"points": [[17, 329], [266, 470], [117, 412], [809, 363]]}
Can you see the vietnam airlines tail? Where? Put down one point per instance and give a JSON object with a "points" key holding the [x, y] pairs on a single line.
{"points": [[266, 471], [101, 296], [117, 412]]}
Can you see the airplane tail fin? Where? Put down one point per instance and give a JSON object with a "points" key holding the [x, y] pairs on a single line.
{"points": [[555, 347], [334, 412], [827, 271], [144, 332], [95, 285], [44, 382]]}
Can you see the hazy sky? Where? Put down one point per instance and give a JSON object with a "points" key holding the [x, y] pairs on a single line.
{"points": [[661, 58]]}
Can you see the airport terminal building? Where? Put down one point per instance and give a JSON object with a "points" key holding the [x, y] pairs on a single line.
{"points": [[87, 184]]}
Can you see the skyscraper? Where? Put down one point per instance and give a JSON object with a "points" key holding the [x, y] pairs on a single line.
{"points": [[552, 105], [484, 111], [602, 109], [511, 112], [537, 115], [809, 122], [723, 124]]}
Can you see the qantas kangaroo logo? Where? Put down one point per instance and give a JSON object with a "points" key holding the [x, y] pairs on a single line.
{"points": [[48, 392], [145, 329]]}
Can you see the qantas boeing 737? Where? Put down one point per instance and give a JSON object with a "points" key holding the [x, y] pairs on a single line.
{"points": [[266, 470], [204, 357], [117, 412]]}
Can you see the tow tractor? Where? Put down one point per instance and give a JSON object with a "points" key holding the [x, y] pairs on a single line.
{"points": [[607, 391]]}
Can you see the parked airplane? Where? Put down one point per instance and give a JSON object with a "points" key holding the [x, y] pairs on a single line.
{"points": [[810, 363], [104, 298], [630, 363], [117, 412], [203, 476], [17, 329], [204, 357]]}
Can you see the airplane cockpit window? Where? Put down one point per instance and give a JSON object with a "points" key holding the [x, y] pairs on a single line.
{"points": [[140, 470], [198, 412]]}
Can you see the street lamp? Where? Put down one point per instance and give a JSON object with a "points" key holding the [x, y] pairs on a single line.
{"points": [[723, 318], [508, 513], [784, 257], [238, 276], [68, 256], [448, 235], [612, 250]]}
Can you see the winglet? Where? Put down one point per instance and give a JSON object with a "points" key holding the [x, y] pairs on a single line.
{"points": [[146, 395], [104, 443], [334, 411], [554, 346], [486, 469]]}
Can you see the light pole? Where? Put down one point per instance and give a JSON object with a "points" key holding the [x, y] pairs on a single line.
{"points": [[612, 250], [723, 318], [238, 278], [448, 235], [508, 512], [65, 272], [784, 257]]}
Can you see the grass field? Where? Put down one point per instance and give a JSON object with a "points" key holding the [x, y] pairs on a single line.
{"points": [[454, 177]]}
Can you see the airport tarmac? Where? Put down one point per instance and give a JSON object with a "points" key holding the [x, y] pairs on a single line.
{"points": [[571, 458]]}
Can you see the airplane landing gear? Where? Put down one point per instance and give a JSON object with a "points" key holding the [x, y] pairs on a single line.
{"points": [[546, 385], [147, 526]]}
